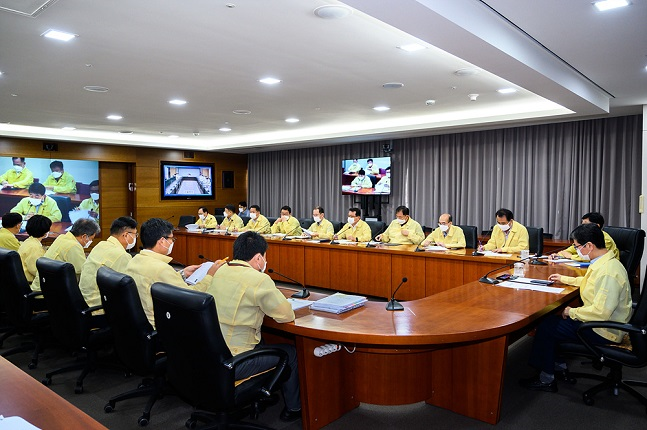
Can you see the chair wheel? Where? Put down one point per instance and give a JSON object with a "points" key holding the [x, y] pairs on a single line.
{"points": [[78, 389], [588, 400], [47, 381], [108, 408], [32, 365], [142, 421], [191, 423]]}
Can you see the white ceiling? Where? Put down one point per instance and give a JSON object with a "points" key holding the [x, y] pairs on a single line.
{"points": [[566, 59]]}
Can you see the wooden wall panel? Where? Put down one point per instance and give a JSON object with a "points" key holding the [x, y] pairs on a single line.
{"points": [[374, 274], [443, 275], [414, 270]]}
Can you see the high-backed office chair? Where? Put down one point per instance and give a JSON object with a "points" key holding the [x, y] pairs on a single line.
{"points": [[272, 220], [630, 243], [336, 225], [17, 300], [186, 219], [83, 189], [305, 222], [614, 356], [377, 227], [536, 240], [136, 342], [187, 322], [471, 235], [71, 319], [427, 230], [245, 219], [65, 205]]}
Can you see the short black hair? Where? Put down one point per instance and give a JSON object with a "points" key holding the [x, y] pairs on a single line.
{"points": [[122, 223], [403, 209], [361, 172], [11, 219], [370, 159], [55, 163], [388, 168], [37, 188], [153, 230], [22, 159], [257, 207], [585, 233], [94, 183], [85, 226], [507, 213], [595, 218], [287, 208], [243, 204], [230, 207], [248, 244], [38, 225], [204, 209], [320, 209], [358, 211]]}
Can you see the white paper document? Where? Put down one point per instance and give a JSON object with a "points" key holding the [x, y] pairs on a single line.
{"points": [[199, 273], [495, 254], [16, 423], [533, 287], [435, 248], [299, 303]]}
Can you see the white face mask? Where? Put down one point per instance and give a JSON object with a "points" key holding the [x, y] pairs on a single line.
{"points": [[401, 221], [170, 248], [361, 178], [316, 218], [87, 245], [240, 210], [94, 196], [17, 168], [582, 256], [57, 175], [443, 228], [264, 265], [252, 215], [35, 202], [285, 217], [388, 175], [128, 244], [225, 214], [504, 227], [201, 216], [351, 220]]}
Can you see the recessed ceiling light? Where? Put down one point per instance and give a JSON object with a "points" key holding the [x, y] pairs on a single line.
{"points": [[0, 72], [332, 12], [411, 47], [173, 136], [506, 90], [610, 4], [59, 35], [393, 85], [68, 128], [95, 89], [224, 129], [473, 97], [177, 102], [114, 117], [241, 112], [292, 120], [269, 81], [381, 108]]}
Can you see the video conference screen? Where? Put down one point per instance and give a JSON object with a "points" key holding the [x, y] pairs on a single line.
{"points": [[187, 180], [369, 176]]}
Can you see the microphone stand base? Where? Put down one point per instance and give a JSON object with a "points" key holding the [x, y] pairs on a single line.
{"points": [[536, 262], [419, 250], [301, 294], [487, 280], [477, 254], [394, 305]]}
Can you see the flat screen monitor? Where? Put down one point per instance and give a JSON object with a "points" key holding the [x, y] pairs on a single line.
{"points": [[366, 176], [186, 181]]}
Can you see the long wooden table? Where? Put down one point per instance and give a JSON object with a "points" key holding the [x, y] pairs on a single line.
{"points": [[25, 397], [448, 349]]}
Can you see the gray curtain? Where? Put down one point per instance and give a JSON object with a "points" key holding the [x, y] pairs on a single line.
{"points": [[548, 175]]}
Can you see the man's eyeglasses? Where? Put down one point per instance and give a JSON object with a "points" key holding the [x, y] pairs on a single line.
{"points": [[172, 239]]}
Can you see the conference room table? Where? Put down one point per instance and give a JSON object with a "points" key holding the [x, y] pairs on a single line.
{"points": [[25, 397], [448, 349]]}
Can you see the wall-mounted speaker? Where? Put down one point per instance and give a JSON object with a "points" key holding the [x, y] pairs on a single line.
{"points": [[227, 179]]}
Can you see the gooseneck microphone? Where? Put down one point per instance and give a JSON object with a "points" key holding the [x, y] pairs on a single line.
{"points": [[299, 294], [289, 233], [346, 227], [393, 304], [202, 257], [381, 231], [487, 280], [418, 248]]}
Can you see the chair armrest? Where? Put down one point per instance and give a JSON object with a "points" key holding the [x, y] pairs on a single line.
{"points": [[630, 328], [33, 294], [91, 309], [267, 351]]}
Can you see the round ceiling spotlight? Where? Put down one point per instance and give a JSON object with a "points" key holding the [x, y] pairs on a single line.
{"points": [[332, 12]]}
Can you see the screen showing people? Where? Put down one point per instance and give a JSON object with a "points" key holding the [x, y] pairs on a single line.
{"points": [[181, 181], [366, 176], [60, 189]]}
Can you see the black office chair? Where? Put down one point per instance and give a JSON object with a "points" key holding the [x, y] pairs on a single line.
{"points": [[272, 220], [64, 204], [245, 219], [136, 342], [471, 233], [187, 322], [427, 230], [536, 240], [305, 222], [71, 320], [630, 243], [185, 219], [614, 356], [336, 225], [377, 227], [18, 301]]}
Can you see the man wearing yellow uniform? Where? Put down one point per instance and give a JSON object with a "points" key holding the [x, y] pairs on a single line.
{"points": [[17, 177], [60, 181], [609, 243], [257, 222], [232, 220], [70, 247], [205, 219], [31, 249], [361, 181], [321, 228], [92, 204], [287, 224], [111, 253], [38, 203], [384, 184], [403, 229], [11, 223], [447, 234], [355, 167], [606, 296], [508, 235], [356, 229], [244, 296], [371, 169], [152, 264]]}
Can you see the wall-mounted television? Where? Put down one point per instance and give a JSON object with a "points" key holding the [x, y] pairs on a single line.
{"points": [[366, 176], [186, 181]]}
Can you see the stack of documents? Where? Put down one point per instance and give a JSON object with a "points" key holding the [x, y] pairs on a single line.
{"points": [[339, 303]]}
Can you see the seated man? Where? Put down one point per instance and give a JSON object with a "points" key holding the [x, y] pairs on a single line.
{"points": [[606, 296], [60, 181], [31, 249], [287, 224], [403, 229], [242, 209], [356, 229], [231, 220], [509, 236], [244, 296], [70, 247], [321, 228], [152, 264], [92, 204], [257, 222], [355, 167], [371, 169], [11, 223], [111, 253], [38, 203], [384, 184], [609, 243], [447, 234], [18, 177], [205, 219], [361, 181]]}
